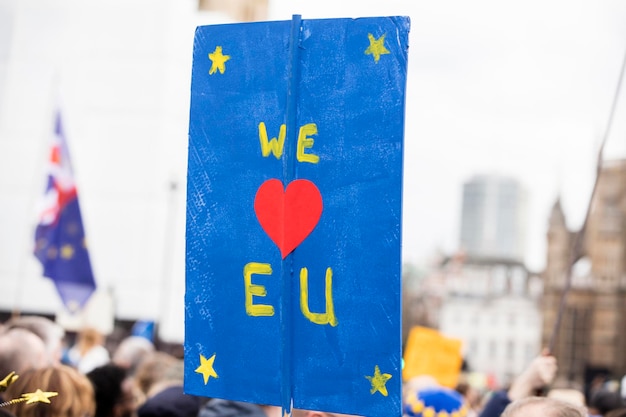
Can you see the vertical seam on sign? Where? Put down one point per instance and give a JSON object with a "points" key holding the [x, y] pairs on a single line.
{"points": [[289, 169]]}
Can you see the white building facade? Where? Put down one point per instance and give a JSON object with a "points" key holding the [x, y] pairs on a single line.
{"points": [[493, 307]]}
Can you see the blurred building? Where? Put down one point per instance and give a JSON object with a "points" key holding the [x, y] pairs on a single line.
{"points": [[239, 10], [414, 311], [591, 338], [493, 218], [484, 294], [493, 306]]}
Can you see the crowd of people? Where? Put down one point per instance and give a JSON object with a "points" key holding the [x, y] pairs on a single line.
{"points": [[134, 379]]}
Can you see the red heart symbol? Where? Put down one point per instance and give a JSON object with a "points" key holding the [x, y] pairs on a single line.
{"points": [[288, 216]]}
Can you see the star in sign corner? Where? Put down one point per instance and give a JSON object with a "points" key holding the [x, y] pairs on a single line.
{"points": [[378, 381], [377, 47], [218, 61], [39, 396], [206, 368]]}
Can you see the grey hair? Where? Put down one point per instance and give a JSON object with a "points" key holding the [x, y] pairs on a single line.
{"points": [[550, 407], [49, 332]]}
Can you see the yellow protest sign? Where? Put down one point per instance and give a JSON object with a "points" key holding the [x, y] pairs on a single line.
{"points": [[428, 352]]}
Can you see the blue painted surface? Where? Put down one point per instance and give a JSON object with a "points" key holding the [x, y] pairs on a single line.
{"points": [[357, 105]]}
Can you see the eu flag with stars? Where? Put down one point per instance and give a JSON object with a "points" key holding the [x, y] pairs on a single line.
{"points": [[294, 197], [60, 242]]}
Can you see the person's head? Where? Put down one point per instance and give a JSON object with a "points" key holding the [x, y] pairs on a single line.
{"points": [[469, 393], [173, 375], [75, 393], [131, 351], [171, 402], [620, 412], [88, 338], [47, 330], [570, 395], [543, 407], [113, 393], [154, 369], [602, 401], [21, 350]]}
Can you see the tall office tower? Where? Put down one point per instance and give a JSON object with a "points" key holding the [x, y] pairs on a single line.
{"points": [[493, 219]]}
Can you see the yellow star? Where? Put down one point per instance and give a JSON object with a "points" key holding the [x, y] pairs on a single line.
{"points": [[377, 47], [378, 381], [67, 251], [416, 405], [39, 396], [52, 252], [40, 244], [429, 412], [218, 61], [8, 380], [206, 368], [72, 228]]}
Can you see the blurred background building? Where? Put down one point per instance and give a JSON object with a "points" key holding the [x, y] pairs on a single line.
{"points": [[506, 314], [494, 217], [239, 10], [591, 338], [484, 294], [493, 299], [493, 306]]}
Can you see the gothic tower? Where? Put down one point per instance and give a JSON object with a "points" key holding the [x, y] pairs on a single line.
{"points": [[591, 337]]}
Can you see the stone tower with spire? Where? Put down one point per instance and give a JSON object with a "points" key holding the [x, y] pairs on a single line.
{"points": [[591, 337]]}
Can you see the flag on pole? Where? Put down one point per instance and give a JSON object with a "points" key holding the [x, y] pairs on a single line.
{"points": [[60, 242]]}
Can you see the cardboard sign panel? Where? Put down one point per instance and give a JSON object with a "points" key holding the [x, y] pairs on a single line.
{"points": [[294, 214]]}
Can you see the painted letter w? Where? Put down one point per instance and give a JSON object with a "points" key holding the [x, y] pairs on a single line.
{"points": [[273, 145]]}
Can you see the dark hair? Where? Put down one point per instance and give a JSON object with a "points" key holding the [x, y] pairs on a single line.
{"points": [[604, 401], [620, 412], [6, 413], [107, 384]]}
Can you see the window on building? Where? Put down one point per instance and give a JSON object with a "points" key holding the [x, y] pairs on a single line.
{"points": [[473, 348], [510, 349], [529, 353]]}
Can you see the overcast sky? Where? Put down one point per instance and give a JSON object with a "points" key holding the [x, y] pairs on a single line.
{"points": [[514, 88]]}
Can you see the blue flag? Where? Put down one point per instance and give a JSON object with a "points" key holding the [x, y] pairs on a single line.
{"points": [[294, 196], [60, 243], [143, 328]]}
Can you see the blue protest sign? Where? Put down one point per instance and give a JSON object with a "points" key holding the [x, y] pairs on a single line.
{"points": [[294, 198]]}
